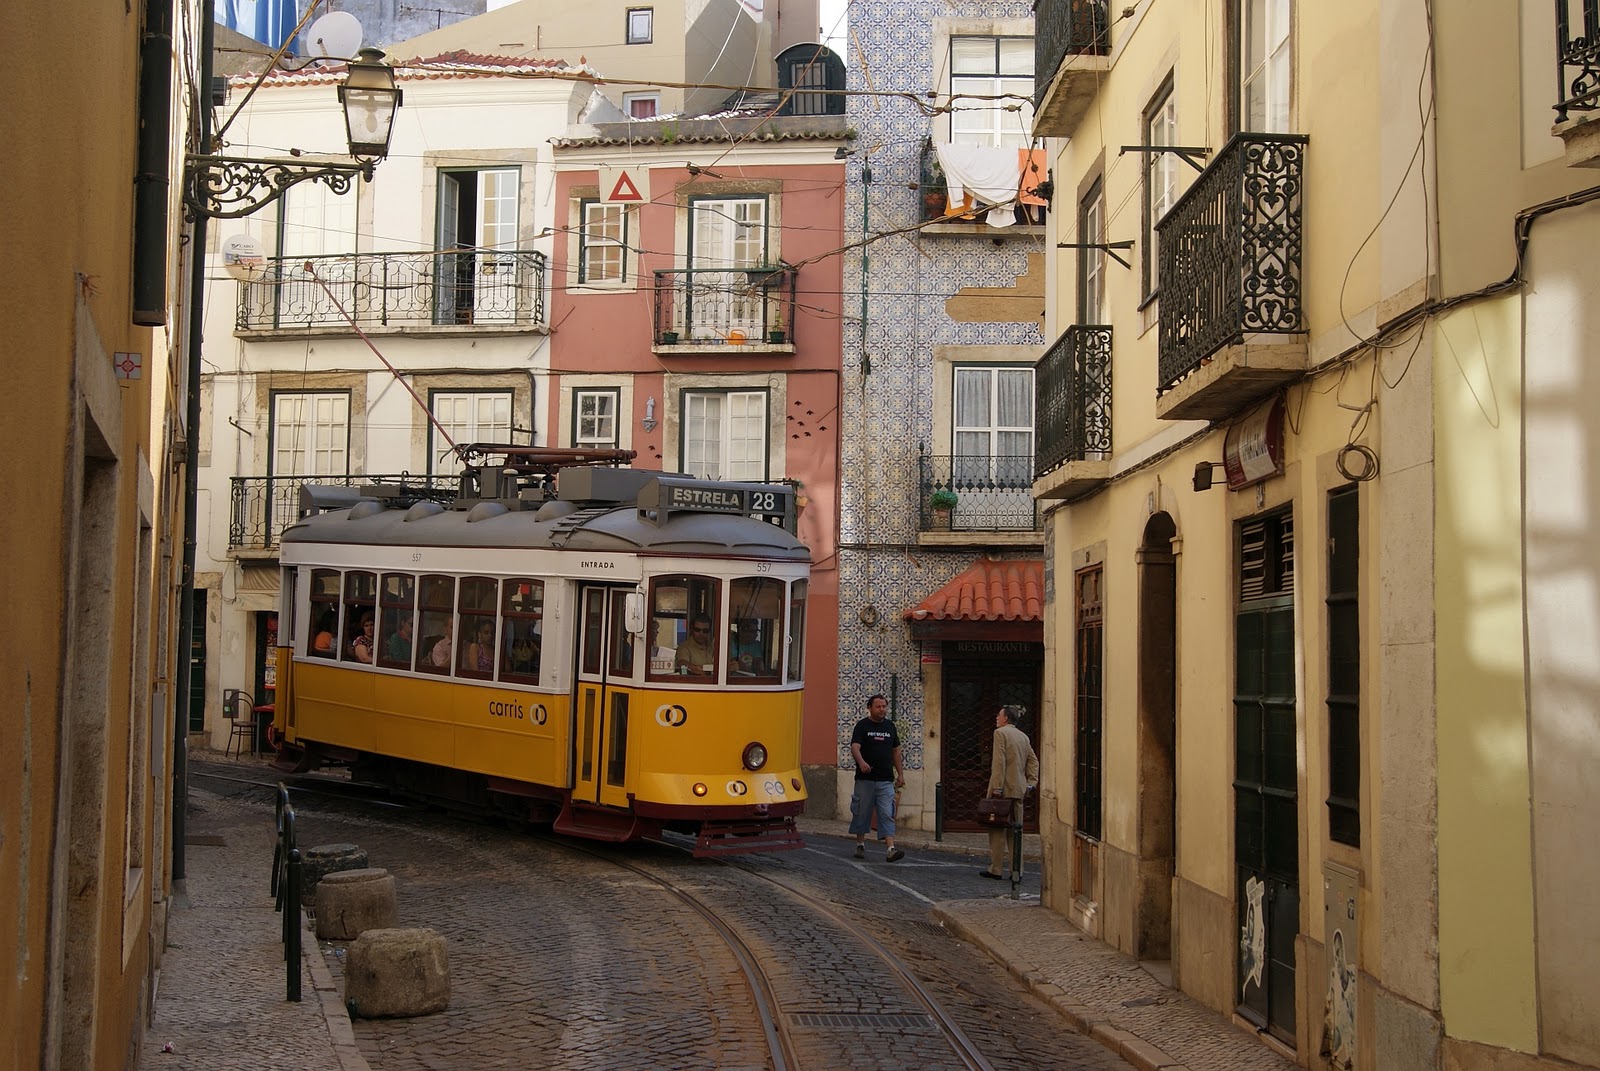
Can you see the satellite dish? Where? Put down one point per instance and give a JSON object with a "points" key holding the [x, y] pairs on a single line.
{"points": [[336, 35], [244, 258]]}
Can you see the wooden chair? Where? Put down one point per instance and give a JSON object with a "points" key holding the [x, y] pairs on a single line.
{"points": [[239, 707]]}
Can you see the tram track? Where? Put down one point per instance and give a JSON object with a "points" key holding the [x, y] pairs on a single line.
{"points": [[787, 1052]]}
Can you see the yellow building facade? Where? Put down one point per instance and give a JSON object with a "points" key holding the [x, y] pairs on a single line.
{"points": [[90, 530], [1316, 442]]}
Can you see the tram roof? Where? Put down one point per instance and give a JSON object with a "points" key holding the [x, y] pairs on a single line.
{"points": [[615, 528]]}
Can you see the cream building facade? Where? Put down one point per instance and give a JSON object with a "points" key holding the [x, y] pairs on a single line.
{"points": [[1320, 686]]}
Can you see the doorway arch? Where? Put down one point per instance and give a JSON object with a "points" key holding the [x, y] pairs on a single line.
{"points": [[1157, 699]]}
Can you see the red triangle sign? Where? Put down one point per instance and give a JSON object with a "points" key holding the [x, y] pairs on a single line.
{"points": [[625, 190]]}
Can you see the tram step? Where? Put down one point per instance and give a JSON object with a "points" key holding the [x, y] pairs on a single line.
{"points": [[595, 824], [737, 838]]}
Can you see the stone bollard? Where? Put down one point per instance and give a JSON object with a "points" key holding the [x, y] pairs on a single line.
{"points": [[323, 860], [350, 902], [396, 973]]}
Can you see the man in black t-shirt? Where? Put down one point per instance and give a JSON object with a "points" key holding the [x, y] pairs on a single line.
{"points": [[875, 745]]}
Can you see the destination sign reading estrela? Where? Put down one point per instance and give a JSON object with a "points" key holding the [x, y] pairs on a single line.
{"points": [[719, 499]]}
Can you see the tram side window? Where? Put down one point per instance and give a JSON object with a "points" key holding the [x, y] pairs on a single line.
{"points": [[323, 639], [522, 614], [397, 611], [683, 627], [478, 598], [360, 624], [437, 604], [755, 640], [797, 630]]}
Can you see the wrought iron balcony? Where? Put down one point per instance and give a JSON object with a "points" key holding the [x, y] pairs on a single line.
{"points": [[261, 507], [993, 493], [1230, 270], [1577, 59], [484, 287], [1063, 88], [1072, 389], [726, 308]]}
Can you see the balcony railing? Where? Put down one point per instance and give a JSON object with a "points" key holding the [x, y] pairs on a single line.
{"points": [[1230, 253], [495, 288], [725, 306], [261, 507], [1577, 59], [1063, 28], [1073, 399], [993, 492]]}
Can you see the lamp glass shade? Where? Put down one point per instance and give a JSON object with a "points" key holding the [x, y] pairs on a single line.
{"points": [[370, 99]]}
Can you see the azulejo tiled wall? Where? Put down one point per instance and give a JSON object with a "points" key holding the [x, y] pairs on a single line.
{"points": [[902, 280]]}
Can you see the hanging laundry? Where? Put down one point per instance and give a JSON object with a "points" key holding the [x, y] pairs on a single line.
{"points": [[991, 176]]}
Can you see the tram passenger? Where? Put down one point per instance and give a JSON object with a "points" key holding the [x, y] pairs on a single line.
{"points": [[746, 652], [361, 647], [697, 654], [399, 646], [479, 655], [440, 655], [322, 638]]}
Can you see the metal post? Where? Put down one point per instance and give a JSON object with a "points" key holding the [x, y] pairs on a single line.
{"points": [[1016, 860], [938, 810], [291, 927]]}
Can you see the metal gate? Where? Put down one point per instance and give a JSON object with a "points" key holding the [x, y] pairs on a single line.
{"points": [[976, 685]]}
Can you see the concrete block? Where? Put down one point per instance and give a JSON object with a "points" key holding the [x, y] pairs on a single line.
{"points": [[350, 902], [397, 973]]}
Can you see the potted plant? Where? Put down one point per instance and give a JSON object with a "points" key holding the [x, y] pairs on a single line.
{"points": [[940, 503], [669, 338]]}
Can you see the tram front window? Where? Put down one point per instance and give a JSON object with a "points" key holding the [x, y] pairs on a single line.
{"points": [[797, 630], [755, 638], [683, 634]]}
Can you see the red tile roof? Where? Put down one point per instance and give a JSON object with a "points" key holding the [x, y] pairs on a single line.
{"points": [[1009, 590]]}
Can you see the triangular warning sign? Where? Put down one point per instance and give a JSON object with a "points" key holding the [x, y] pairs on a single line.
{"points": [[624, 190]]}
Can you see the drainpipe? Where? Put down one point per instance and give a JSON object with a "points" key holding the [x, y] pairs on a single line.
{"points": [[191, 476], [866, 190]]}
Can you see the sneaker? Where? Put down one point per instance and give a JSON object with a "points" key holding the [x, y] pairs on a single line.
{"points": [[895, 855], [861, 851]]}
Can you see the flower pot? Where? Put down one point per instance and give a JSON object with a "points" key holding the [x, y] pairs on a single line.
{"points": [[939, 520], [777, 336], [669, 338]]}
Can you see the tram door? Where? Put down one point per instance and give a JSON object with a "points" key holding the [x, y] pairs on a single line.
{"points": [[606, 669]]}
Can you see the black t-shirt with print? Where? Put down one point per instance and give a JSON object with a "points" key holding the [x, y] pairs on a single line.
{"points": [[878, 741]]}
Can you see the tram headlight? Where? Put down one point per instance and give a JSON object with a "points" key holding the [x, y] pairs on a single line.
{"points": [[755, 756]]}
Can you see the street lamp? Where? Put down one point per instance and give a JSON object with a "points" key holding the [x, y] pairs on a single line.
{"points": [[227, 187]]}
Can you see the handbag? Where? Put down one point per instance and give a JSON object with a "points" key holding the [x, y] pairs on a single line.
{"points": [[994, 810]]}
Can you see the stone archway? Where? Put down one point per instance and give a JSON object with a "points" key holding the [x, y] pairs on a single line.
{"points": [[1157, 697]]}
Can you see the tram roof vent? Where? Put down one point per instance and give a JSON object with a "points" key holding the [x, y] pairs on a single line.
{"points": [[602, 484]]}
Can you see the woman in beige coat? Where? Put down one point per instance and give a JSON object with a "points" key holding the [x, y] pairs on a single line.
{"points": [[1013, 773]]}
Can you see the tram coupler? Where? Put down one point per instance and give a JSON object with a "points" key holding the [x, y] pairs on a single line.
{"points": [[719, 837]]}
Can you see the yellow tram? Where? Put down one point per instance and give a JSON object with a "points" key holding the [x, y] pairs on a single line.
{"points": [[613, 650]]}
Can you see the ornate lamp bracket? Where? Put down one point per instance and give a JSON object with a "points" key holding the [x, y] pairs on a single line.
{"points": [[228, 187]]}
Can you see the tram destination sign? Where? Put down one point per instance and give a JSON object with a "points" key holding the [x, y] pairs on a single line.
{"points": [[708, 496]]}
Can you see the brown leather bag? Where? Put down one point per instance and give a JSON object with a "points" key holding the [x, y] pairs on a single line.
{"points": [[994, 810]]}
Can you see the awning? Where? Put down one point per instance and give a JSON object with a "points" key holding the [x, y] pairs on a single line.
{"points": [[989, 600]]}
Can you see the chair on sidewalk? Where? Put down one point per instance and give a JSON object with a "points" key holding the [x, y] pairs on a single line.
{"points": [[239, 707]]}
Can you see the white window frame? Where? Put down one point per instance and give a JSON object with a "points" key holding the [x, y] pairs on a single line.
{"points": [[753, 462], [652, 99], [311, 433], [609, 242], [992, 428], [1265, 65], [640, 25], [990, 123], [467, 423], [1092, 261], [1160, 178], [612, 396]]}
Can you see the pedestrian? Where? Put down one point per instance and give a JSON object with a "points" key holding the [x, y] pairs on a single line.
{"points": [[1013, 773], [875, 744]]}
